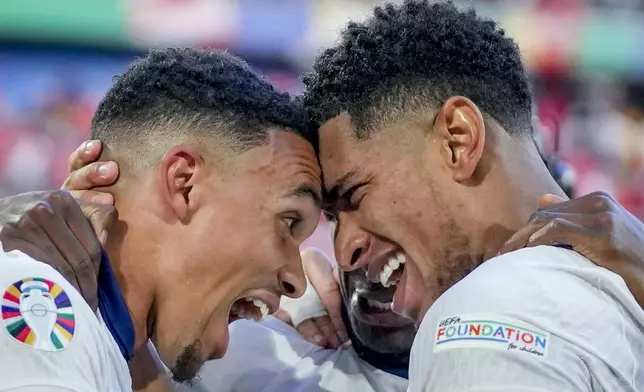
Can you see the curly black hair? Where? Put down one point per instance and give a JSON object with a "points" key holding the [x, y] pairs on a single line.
{"points": [[414, 54], [202, 87]]}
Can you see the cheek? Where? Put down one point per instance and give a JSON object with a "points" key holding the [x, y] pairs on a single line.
{"points": [[403, 211], [389, 206], [261, 259]]}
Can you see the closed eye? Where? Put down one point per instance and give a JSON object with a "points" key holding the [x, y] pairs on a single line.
{"points": [[348, 197], [329, 216]]}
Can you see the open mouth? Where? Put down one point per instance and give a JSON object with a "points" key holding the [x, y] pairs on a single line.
{"points": [[389, 271], [373, 306], [378, 311], [392, 270], [249, 308]]}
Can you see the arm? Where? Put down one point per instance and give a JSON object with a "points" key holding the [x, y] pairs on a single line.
{"points": [[51, 226], [596, 226]]}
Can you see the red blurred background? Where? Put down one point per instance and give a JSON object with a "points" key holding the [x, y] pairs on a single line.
{"points": [[58, 58]]}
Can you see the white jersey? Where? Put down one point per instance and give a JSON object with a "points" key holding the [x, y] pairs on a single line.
{"points": [[538, 319], [51, 341], [271, 356]]}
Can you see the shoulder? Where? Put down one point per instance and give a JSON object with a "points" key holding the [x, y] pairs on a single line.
{"points": [[542, 286], [45, 322], [532, 279], [532, 299]]}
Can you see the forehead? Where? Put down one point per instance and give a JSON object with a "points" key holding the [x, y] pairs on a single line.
{"points": [[286, 158], [342, 153]]}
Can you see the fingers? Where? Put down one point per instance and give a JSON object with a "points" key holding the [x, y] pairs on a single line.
{"points": [[312, 332], [525, 236], [329, 331], [96, 174], [562, 231], [52, 227], [93, 197], [284, 316], [591, 203], [92, 175], [320, 273], [31, 250], [85, 153], [72, 235], [549, 199], [46, 249], [101, 217]]}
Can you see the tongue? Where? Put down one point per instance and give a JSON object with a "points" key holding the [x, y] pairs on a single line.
{"points": [[398, 301]]}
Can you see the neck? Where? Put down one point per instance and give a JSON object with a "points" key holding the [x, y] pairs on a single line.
{"points": [[130, 261], [522, 179]]}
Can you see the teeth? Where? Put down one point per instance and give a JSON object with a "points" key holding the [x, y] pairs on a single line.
{"points": [[256, 312], [393, 264], [379, 305], [263, 308], [401, 258]]}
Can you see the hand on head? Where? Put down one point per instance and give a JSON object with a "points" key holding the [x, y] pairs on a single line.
{"points": [[54, 228], [596, 226], [66, 229], [85, 173]]}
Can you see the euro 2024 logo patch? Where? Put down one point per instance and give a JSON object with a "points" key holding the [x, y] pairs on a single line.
{"points": [[38, 313]]}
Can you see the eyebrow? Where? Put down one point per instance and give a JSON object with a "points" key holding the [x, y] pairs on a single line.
{"points": [[310, 192], [338, 186]]}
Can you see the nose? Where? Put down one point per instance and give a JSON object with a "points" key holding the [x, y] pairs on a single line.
{"points": [[351, 245], [291, 278]]}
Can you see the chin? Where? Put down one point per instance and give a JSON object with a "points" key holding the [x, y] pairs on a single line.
{"points": [[189, 362]]}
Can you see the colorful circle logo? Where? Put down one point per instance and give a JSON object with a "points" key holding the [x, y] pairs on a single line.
{"points": [[38, 313]]}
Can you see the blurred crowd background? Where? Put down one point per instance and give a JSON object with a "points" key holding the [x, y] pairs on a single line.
{"points": [[57, 58]]}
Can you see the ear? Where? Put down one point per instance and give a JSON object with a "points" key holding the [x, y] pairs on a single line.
{"points": [[177, 174], [460, 128]]}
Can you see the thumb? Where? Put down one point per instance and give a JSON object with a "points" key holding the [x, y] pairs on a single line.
{"points": [[549, 199], [320, 272], [102, 218], [284, 316]]}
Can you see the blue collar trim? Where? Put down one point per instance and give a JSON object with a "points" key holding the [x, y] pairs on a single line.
{"points": [[114, 309]]}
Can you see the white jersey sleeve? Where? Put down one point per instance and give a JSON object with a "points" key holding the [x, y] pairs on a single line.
{"points": [[538, 319], [271, 356], [50, 339]]}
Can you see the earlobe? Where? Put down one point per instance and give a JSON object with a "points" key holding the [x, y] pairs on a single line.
{"points": [[177, 176], [460, 126]]}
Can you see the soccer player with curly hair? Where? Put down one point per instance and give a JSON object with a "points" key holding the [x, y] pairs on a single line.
{"points": [[429, 166]]}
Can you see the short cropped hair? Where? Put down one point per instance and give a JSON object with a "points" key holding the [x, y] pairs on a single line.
{"points": [[205, 91], [406, 57]]}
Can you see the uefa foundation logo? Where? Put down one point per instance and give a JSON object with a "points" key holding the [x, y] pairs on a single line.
{"points": [[491, 331], [38, 313]]}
